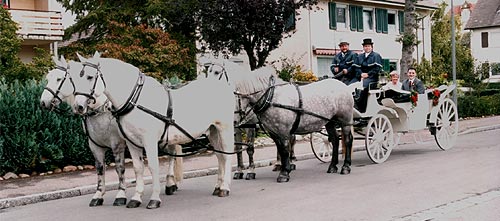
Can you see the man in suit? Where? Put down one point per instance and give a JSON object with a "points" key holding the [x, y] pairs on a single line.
{"points": [[367, 65], [413, 83], [342, 64]]}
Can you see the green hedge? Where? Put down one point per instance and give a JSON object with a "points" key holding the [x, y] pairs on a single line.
{"points": [[33, 139], [474, 106]]}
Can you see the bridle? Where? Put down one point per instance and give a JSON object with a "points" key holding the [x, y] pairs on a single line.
{"points": [[90, 95], [66, 76]]}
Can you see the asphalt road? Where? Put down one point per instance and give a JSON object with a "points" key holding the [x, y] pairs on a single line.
{"points": [[417, 182]]}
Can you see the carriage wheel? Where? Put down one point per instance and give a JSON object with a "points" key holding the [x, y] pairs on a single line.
{"points": [[446, 125], [379, 138], [321, 147]]}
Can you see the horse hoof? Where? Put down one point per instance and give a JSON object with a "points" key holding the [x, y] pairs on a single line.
{"points": [[332, 170], [345, 170], [169, 190], [293, 167], [153, 204], [96, 202], [216, 191], [250, 176], [238, 175], [133, 204], [283, 179], [277, 167], [120, 202], [223, 193]]}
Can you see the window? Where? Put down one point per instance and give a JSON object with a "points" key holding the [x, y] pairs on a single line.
{"points": [[331, 15], [401, 16], [324, 66], [356, 17], [391, 22], [495, 68], [5, 3], [341, 16], [368, 19], [381, 20], [290, 22], [484, 39]]}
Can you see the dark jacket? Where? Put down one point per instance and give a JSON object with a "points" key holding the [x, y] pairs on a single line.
{"points": [[372, 64], [418, 86], [344, 62]]}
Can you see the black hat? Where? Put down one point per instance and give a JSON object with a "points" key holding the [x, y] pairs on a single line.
{"points": [[343, 43], [367, 41]]}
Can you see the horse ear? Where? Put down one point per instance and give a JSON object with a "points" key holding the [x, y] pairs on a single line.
{"points": [[97, 55], [64, 62], [54, 59], [81, 58]]}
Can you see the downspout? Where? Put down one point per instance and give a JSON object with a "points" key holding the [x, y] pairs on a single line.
{"points": [[309, 51]]}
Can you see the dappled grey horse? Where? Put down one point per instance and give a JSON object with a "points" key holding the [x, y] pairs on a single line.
{"points": [[285, 109]]}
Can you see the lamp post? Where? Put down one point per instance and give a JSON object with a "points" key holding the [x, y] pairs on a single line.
{"points": [[453, 59]]}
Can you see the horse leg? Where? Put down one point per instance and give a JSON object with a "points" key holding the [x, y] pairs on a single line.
{"points": [[151, 146], [241, 166], [292, 152], [137, 160], [347, 140], [119, 154], [282, 146], [222, 140], [174, 172], [251, 133], [333, 137], [100, 166], [277, 165]]}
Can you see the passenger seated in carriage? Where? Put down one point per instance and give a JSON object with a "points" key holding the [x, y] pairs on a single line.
{"points": [[367, 66], [413, 83], [394, 83]]}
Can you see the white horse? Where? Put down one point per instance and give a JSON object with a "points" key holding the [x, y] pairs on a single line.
{"points": [[140, 103], [100, 128]]}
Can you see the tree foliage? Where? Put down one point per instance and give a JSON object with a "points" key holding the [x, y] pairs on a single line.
{"points": [[441, 52], [154, 35], [255, 26], [11, 66]]}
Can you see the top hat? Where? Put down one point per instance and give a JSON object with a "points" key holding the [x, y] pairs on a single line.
{"points": [[367, 41], [343, 43]]}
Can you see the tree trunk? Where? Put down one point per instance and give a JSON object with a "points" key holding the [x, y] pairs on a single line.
{"points": [[408, 38]]}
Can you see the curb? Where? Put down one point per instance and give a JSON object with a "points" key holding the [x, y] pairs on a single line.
{"points": [[90, 189]]}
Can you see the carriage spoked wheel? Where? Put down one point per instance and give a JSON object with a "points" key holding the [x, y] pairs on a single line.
{"points": [[446, 124], [379, 138], [321, 147]]}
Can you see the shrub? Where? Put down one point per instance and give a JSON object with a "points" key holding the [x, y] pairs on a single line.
{"points": [[475, 106], [33, 139]]}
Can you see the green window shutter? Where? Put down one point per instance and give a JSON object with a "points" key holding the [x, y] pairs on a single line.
{"points": [[332, 12], [353, 18], [360, 18], [378, 20], [386, 65], [382, 23], [401, 17], [385, 25]]}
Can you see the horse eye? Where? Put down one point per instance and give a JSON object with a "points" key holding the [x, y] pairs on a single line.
{"points": [[90, 77], [58, 79]]}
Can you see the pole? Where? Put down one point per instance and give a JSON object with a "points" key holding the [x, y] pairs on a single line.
{"points": [[453, 59]]}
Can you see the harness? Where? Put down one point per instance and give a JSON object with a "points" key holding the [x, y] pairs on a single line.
{"points": [[55, 94], [131, 103]]}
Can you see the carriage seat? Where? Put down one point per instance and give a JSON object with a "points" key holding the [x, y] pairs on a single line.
{"points": [[398, 96]]}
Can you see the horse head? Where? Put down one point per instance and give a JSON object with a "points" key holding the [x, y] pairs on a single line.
{"points": [[60, 84], [91, 85]]}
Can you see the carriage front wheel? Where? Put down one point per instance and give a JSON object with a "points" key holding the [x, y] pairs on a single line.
{"points": [[321, 147], [446, 124], [379, 138]]}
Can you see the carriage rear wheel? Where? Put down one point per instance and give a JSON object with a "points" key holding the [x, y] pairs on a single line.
{"points": [[446, 124], [321, 147], [379, 138]]}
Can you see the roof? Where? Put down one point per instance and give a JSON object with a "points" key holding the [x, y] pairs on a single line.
{"points": [[422, 4], [486, 14]]}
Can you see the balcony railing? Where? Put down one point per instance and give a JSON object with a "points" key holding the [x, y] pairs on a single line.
{"points": [[39, 25]]}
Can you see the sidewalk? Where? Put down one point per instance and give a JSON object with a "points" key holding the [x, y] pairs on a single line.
{"points": [[17, 192]]}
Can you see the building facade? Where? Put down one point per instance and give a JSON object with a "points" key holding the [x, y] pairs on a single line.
{"points": [[319, 31], [40, 25]]}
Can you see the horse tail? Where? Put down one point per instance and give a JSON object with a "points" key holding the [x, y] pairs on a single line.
{"points": [[178, 165]]}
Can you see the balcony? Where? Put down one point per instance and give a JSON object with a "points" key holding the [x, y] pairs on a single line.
{"points": [[38, 26]]}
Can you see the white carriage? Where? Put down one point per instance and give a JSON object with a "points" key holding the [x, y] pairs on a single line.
{"points": [[385, 120]]}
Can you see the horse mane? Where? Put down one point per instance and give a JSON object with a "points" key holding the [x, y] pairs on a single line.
{"points": [[246, 81]]}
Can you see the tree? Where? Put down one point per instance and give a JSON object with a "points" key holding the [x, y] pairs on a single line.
{"points": [[408, 39], [255, 26], [98, 21]]}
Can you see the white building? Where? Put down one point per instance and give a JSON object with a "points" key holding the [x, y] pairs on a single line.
{"points": [[484, 25]]}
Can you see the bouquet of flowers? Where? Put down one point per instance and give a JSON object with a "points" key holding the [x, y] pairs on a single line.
{"points": [[413, 99], [435, 97]]}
